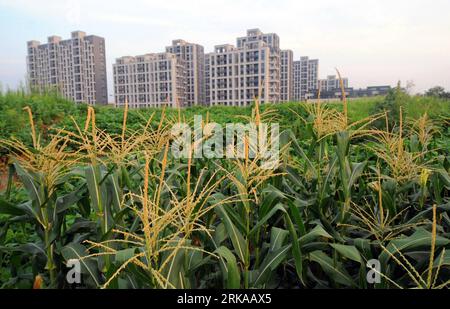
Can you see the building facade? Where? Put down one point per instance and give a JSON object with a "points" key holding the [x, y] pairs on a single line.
{"points": [[76, 67], [306, 76], [151, 80], [332, 83], [193, 57], [235, 75], [287, 76]]}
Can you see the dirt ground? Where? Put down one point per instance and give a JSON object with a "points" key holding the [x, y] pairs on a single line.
{"points": [[3, 174], [3, 178]]}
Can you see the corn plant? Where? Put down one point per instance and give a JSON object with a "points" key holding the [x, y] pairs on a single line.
{"points": [[135, 216]]}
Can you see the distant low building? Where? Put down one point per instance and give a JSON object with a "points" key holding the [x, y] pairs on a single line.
{"points": [[372, 91], [353, 93]]}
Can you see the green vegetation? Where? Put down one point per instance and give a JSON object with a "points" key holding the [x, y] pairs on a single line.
{"points": [[438, 92], [51, 110], [105, 189]]}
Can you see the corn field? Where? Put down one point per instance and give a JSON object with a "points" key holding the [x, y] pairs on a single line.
{"points": [[344, 194]]}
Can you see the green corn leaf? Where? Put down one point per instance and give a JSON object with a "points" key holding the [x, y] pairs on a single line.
{"points": [[277, 238], [443, 260], [174, 270], [296, 252], [31, 185], [324, 191], [420, 239], [271, 197], [234, 216], [124, 255], [270, 264], [93, 177], [278, 207], [114, 191], [65, 202], [238, 241], [357, 170], [7, 208], [299, 151], [317, 232], [88, 266], [349, 252], [230, 267], [334, 270], [295, 213], [220, 234]]}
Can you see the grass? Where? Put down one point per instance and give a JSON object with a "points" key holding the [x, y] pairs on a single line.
{"points": [[414, 107]]}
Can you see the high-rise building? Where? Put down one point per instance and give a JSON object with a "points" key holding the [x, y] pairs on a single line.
{"points": [[193, 57], [332, 83], [306, 72], [151, 80], [76, 67], [236, 75], [287, 76]]}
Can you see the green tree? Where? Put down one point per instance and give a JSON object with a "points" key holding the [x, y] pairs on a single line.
{"points": [[438, 92], [395, 99]]}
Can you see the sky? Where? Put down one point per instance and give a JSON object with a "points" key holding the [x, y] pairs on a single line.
{"points": [[372, 42]]}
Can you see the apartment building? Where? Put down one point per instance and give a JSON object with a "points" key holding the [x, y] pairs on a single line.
{"points": [[306, 72], [75, 67], [151, 80], [332, 82], [193, 57], [287, 76], [235, 75]]}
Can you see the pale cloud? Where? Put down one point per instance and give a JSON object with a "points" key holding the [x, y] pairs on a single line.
{"points": [[371, 41]]}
